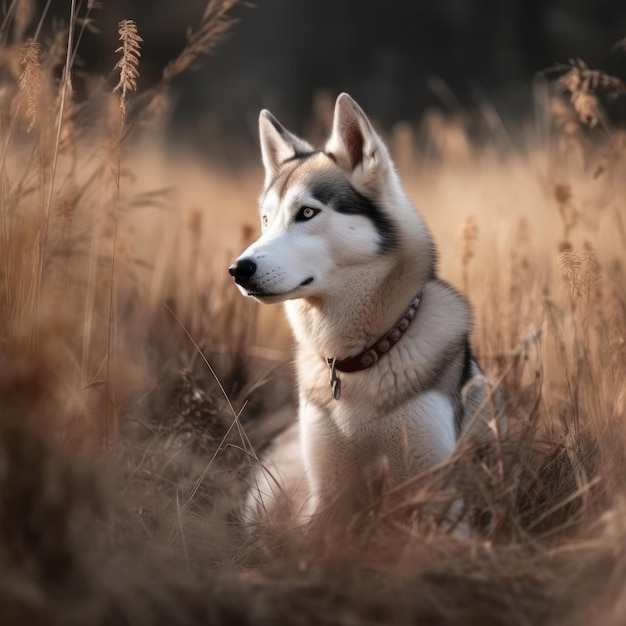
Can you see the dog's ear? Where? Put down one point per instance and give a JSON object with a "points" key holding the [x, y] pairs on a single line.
{"points": [[278, 144], [353, 140]]}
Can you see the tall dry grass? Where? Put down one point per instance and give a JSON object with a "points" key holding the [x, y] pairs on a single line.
{"points": [[137, 387]]}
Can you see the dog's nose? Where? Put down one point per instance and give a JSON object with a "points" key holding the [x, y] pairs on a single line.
{"points": [[242, 271]]}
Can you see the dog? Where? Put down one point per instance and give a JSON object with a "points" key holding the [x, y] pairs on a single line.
{"points": [[385, 370]]}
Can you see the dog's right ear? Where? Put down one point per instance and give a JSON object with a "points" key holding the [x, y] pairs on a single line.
{"points": [[278, 145]]}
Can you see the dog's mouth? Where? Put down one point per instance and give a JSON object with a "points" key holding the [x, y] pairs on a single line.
{"points": [[285, 295], [263, 295]]}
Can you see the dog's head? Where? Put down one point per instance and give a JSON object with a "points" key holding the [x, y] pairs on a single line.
{"points": [[325, 210]]}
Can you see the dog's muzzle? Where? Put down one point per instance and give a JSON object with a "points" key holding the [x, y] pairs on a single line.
{"points": [[242, 270]]}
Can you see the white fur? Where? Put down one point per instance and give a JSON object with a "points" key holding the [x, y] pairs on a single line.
{"points": [[418, 433], [342, 293]]}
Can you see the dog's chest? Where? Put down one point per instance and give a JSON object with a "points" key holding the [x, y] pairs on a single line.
{"points": [[365, 398], [384, 385], [419, 428]]}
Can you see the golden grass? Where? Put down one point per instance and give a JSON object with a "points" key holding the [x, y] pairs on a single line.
{"points": [[129, 62], [137, 386]]}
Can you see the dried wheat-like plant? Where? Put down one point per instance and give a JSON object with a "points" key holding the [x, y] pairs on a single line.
{"points": [[592, 270], [28, 101], [469, 236], [541, 534], [203, 39], [129, 63], [129, 73], [582, 83], [581, 271]]}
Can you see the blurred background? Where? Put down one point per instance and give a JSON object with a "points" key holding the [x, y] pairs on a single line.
{"points": [[398, 59], [130, 365]]}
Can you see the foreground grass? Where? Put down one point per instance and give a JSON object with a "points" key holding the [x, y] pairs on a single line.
{"points": [[137, 387]]}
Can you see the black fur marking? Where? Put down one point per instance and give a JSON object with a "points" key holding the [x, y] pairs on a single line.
{"points": [[346, 199], [466, 374], [434, 255], [438, 369], [468, 359], [299, 155]]}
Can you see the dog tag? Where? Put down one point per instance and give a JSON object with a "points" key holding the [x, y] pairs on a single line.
{"points": [[335, 382]]}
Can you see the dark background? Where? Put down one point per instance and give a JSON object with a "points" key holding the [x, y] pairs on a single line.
{"points": [[397, 58]]}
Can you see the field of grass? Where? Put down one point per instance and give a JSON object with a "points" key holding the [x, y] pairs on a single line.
{"points": [[137, 386]]}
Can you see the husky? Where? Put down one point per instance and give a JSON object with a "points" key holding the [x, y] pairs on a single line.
{"points": [[385, 370]]}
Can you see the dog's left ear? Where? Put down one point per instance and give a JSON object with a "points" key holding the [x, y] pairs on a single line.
{"points": [[353, 141]]}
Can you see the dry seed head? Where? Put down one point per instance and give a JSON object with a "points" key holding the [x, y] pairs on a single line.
{"points": [[128, 64], [28, 102], [587, 108], [592, 271], [469, 235], [203, 39], [579, 77], [571, 270], [582, 82]]}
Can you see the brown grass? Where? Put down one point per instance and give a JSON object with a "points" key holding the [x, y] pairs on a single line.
{"points": [[129, 62], [137, 387]]}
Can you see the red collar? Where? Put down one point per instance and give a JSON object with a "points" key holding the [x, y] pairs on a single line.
{"points": [[370, 356]]}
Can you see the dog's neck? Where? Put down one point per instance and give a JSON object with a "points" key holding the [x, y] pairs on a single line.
{"points": [[343, 324]]}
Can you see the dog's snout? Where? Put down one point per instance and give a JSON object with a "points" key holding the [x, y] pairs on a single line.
{"points": [[242, 271]]}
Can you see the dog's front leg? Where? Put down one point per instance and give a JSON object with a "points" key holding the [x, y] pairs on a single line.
{"points": [[328, 456]]}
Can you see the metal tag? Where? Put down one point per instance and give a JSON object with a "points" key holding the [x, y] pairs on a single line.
{"points": [[335, 382]]}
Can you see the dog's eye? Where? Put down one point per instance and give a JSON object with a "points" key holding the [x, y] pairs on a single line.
{"points": [[306, 213], [264, 220]]}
